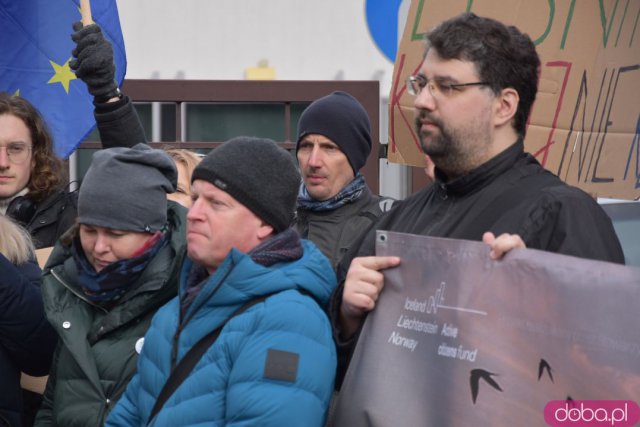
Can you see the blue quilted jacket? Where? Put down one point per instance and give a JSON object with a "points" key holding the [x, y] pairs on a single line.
{"points": [[243, 378]]}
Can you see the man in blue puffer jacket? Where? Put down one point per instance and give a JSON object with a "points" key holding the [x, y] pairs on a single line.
{"points": [[272, 365]]}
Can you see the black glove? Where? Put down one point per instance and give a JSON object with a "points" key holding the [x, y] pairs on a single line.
{"points": [[93, 61]]}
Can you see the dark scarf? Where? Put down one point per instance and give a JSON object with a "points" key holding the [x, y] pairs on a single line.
{"points": [[116, 278], [348, 194], [283, 247]]}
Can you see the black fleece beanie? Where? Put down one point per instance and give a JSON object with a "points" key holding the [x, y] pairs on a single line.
{"points": [[257, 173], [342, 119]]}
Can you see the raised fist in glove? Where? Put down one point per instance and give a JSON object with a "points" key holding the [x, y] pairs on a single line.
{"points": [[93, 61]]}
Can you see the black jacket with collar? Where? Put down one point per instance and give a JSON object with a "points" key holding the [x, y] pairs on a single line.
{"points": [[335, 231], [53, 216]]}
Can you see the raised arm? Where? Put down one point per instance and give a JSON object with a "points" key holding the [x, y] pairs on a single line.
{"points": [[117, 119]]}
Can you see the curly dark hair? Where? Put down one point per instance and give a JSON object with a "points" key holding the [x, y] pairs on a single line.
{"points": [[46, 169], [502, 55]]}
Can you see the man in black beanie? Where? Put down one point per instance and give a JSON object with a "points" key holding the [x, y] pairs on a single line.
{"points": [[334, 203], [251, 277]]}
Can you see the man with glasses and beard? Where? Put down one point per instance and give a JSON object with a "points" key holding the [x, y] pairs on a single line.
{"points": [[473, 95]]}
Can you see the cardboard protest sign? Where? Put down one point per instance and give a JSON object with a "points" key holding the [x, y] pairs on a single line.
{"points": [[585, 123], [457, 339]]}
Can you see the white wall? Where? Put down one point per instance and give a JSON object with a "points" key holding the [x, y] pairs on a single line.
{"points": [[219, 39]]}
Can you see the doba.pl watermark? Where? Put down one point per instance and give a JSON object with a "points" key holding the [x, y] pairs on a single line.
{"points": [[591, 413]]}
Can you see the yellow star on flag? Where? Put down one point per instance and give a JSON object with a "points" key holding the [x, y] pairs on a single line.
{"points": [[17, 93], [63, 74]]}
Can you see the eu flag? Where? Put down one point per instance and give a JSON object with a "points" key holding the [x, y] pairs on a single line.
{"points": [[35, 49]]}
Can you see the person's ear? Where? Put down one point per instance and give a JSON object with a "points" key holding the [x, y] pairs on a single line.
{"points": [[506, 106], [264, 231]]}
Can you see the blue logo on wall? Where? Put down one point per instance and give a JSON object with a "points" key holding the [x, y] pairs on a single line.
{"points": [[382, 20]]}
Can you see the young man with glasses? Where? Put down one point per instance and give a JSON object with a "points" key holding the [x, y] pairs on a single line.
{"points": [[31, 176], [473, 95]]}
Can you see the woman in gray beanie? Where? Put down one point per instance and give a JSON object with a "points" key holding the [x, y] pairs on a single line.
{"points": [[106, 278]]}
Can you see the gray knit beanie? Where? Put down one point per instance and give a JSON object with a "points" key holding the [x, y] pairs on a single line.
{"points": [[342, 119], [126, 189], [257, 173]]}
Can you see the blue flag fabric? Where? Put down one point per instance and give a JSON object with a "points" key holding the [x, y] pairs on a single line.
{"points": [[35, 49]]}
